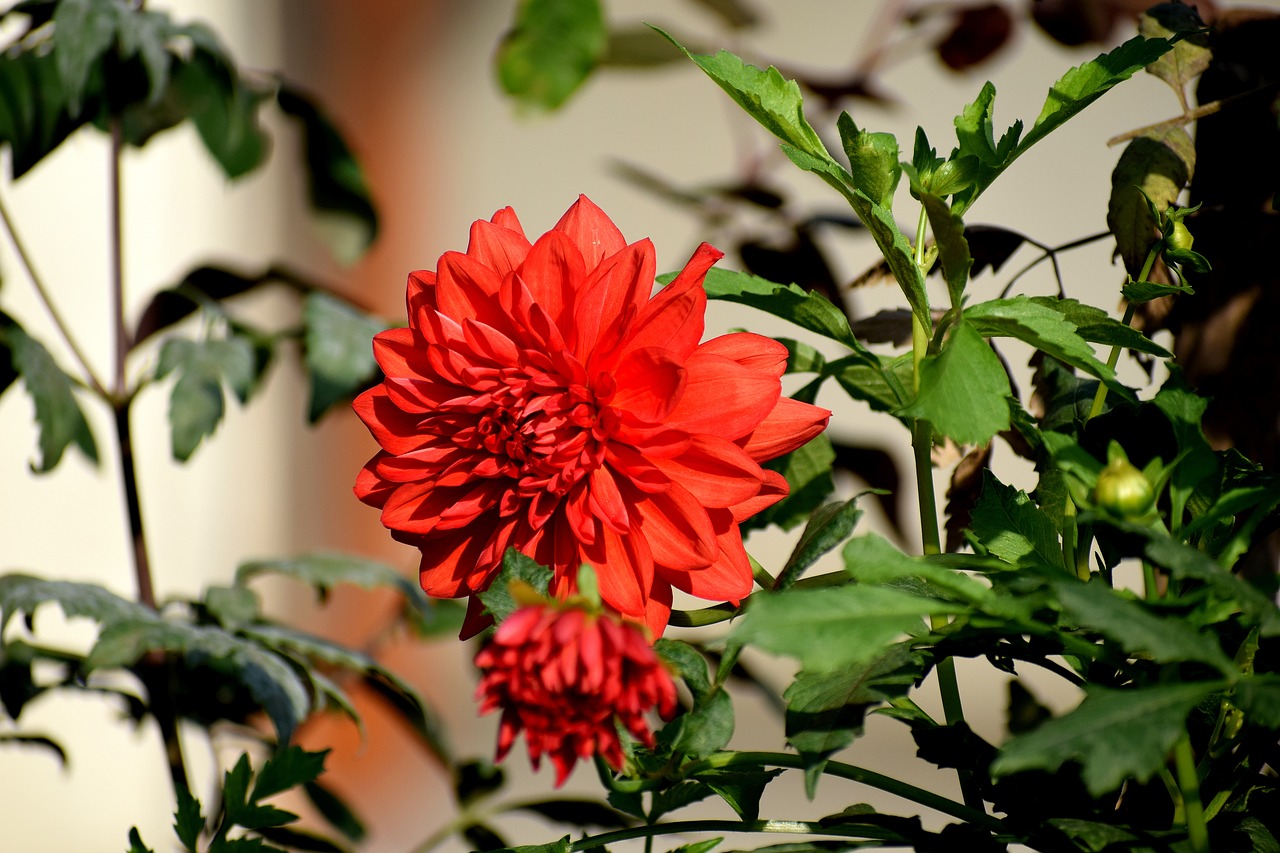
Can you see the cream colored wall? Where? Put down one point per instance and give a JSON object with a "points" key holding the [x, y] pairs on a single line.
{"points": [[206, 517]]}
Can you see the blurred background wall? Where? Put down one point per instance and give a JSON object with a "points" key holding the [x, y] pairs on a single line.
{"points": [[411, 84]]}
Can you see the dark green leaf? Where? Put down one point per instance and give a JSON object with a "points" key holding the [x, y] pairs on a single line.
{"points": [[740, 789], [1139, 292], [232, 606], [697, 846], [707, 728], [474, 780], [83, 30], [135, 842], [224, 107], [1114, 734], [1198, 464], [58, 414], [1116, 615], [1183, 561], [828, 527], [335, 810], [1010, 526], [286, 769], [339, 351], [188, 820], [808, 474], [550, 50], [677, 797], [235, 784], [581, 813], [561, 846], [342, 206], [298, 839], [882, 387], [23, 594], [196, 404], [963, 389], [268, 678], [825, 710], [35, 114], [1190, 55], [836, 627], [688, 663]]}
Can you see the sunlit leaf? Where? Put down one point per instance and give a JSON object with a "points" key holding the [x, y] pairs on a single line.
{"points": [[963, 389]]}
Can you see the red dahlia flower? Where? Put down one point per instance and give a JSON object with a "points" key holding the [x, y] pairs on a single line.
{"points": [[542, 399], [563, 676]]}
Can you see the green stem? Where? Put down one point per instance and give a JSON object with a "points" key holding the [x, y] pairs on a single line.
{"points": [[679, 827], [43, 294], [840, 770], [1189, 785], [1114, 358]]}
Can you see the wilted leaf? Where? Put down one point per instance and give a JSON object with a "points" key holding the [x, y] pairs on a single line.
{"points": [[1155, 166], [1190, 55]]}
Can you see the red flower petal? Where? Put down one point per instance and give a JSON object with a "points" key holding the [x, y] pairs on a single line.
{"points": [[591, 230]]}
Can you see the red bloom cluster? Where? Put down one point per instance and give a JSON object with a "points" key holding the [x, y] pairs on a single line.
{"points": [[542, 398], [563, 676]]}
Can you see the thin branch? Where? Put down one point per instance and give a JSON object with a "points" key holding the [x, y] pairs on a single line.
{"points": [[63, 329]]}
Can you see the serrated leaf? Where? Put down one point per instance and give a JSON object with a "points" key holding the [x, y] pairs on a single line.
{"points": [[1046, 329], [873, 160], [196, 404], [269, 679], [826, 710], [57, 412], [836, 627], [135, 842], [963, 389], [742, 790], [1190, 55], [1114, 734], [873, 559], [1152, 171], [698, 846], [23, 594], [339, 350], [1116, 615], [953, 248], [1010, 526], [550, 50], [287, 769], [188, 819], [1184, 561], [883, 387], [342, 206], [828, 526], [516, 568]]}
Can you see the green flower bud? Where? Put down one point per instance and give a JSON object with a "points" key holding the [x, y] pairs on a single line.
{"points": [[1180, 237], [1122, 489]]}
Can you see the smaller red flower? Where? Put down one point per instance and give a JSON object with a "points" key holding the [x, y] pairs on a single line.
{"points": [[563, 676]]}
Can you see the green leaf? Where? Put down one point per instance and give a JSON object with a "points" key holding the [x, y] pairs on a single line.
{"points": [[1096, 326], [269, 679], [581, 813], [1046, 329], [1077, 89], [1190, 55], [287, 769], [742, 790], [873, 160], [224, 107], [698, 846], [1153, 170], [561, 846], [1116, 615], [1114, 734], [339, 351], [299, 840], [335, 810], [963, 389], [953, 248], [516, 568], [550, 50], [882, 387], [83, 30], [1198, 464], [807, 309], [769, 98], [808, 473], [1010, 526], [836, 627], [23, 594], [1183, 561], [196, 404], [826, 710], [58, 414], [828, 527], [342, 207], [872, 559], [1139, 292], [35, 115], [188, 819], [688, 663], [706, 729], [135, 842], [232, 606], [1259, 698]]}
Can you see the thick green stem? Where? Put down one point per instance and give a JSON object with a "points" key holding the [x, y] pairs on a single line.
{"points": [[840, 770], [680, 827], [1189, 786]]}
